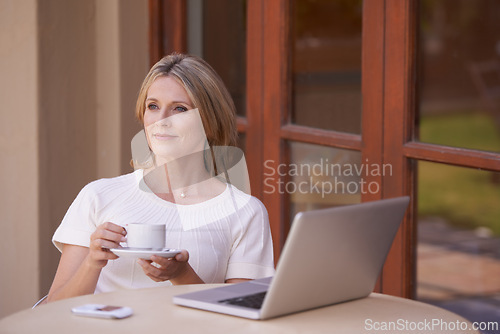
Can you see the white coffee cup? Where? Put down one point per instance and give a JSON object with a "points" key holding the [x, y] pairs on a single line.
{"points": [[145, 235]]}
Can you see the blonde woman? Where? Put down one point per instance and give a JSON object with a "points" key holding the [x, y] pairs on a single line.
{"points": [[223, 232]]}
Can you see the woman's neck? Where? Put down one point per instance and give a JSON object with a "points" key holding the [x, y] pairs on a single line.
{"points": [[184, 180]]}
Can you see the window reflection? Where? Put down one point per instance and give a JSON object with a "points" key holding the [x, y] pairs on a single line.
{"points": [[217, 33], [458, 261], [320, 176], [326, 46], [459, 73]]}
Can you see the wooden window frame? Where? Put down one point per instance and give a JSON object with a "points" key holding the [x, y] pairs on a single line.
{"points": [[167, 28], [388, 115]]}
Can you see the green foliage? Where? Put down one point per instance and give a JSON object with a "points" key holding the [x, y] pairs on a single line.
{"points": [[466, 130], [465, 197]]}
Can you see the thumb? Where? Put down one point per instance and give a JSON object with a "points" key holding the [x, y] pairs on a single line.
{"points": [[183, 256]]}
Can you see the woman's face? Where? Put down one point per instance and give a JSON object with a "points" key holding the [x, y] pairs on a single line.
{"points": [[173, 128]]}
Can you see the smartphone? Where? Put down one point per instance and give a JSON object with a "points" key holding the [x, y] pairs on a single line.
{"points": [[102, 311]]}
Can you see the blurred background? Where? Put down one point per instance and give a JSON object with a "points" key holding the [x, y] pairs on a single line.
{"points": [[70, 75], [459, 208]]}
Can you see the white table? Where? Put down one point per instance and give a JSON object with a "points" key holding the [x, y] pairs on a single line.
{"points": [[154, 312]]}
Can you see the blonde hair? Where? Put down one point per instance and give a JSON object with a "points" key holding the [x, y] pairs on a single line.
{"points": [[205, 89]]}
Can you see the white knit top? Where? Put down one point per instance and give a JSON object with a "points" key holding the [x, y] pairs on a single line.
{"points": [[227, 236]]}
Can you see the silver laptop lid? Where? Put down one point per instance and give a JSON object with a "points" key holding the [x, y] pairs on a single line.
{"points": [[333, 255]]}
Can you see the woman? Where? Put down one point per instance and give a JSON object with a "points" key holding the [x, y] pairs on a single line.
{"points": [[223, 233]]}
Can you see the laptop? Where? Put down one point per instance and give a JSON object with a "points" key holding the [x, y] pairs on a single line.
{"points": [[330, 256]]}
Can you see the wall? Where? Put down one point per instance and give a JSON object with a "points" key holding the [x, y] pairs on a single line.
{"points": [[71, 71], [19, 181]]}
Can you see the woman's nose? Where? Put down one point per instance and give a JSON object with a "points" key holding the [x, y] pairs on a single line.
{"points": [[163, 122], [164, 115]]}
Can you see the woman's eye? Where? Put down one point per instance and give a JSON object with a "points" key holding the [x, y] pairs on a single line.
{"points": [[152, 106], [180, 109]]}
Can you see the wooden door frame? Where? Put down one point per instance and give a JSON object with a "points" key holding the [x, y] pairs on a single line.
{"points": [[167, 28], [271, 22], [388, 116], [399, 68]]}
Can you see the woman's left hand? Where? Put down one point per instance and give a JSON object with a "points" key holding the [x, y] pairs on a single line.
{"points": [[176, 269]]}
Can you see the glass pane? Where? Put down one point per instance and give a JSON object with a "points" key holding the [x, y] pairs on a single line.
{"points": [[458, 261], [319, 177], [459, 73], [326, 72], [217, 33]]}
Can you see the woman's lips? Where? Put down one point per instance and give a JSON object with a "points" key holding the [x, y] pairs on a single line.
{"points": [[163, 136]]}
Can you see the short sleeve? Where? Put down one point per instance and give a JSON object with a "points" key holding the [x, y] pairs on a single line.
{"points": [[79, 222], [252, 252]]}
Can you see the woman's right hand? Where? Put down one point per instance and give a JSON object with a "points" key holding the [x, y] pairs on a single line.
{"points": [[105, 237], [80, 267]]}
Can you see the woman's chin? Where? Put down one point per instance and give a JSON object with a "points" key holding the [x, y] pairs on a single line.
{"points": [[175, 151], [162, 157]]}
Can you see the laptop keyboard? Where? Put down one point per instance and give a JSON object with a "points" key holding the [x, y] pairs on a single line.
{"points": [[251, 301]]}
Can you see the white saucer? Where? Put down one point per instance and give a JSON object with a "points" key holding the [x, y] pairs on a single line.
{"points": [[144, 253]]}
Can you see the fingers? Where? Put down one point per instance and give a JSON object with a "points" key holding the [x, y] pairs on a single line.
{"points": [[104, 254], [102, 244], [105, 237], [154, 270], [161, 269], [183, 256], [108, 235], [99, 256], [110, 231], [113, 228]]}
